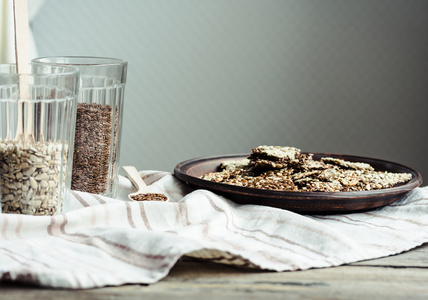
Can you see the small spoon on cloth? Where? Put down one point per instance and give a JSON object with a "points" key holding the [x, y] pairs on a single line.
{"points": [[143, 193]]}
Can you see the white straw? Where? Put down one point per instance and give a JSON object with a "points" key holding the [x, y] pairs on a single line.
{"points": [[20, 11]]}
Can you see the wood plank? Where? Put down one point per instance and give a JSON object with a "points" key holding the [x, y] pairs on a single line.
{"points": [[417, 257], [191, 280]]}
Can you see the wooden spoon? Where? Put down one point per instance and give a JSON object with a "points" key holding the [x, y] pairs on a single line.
{"points": [[143, 193]]}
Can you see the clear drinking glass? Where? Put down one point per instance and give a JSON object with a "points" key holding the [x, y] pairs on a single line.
{"points": [[37, 120], [98, 121]]}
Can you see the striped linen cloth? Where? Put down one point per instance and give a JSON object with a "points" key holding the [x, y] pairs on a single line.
{"points": [[102, 241]]}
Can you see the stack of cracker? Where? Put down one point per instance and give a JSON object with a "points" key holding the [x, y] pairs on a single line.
{"points": [[287, 169]]}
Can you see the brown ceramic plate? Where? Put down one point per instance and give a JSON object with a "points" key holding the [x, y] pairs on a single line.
{"points": [[301, 202]]}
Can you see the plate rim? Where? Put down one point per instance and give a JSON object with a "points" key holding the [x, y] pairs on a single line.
{"points": [[301, 201], [412, 184]]}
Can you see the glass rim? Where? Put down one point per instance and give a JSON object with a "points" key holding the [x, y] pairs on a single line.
{"points": [[78, 60], [11, 71]]}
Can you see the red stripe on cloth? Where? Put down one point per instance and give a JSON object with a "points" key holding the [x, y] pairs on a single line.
{"points": [[148, 179], [4, 228], [397, 219], [265, 233], [240, 231], [133, 256], [99, 199], [18, 227], [144, 216], [80, 199], [129, 215], [352, 222]]}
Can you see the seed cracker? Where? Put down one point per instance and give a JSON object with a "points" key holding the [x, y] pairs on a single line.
{"points": [[287, 169]]}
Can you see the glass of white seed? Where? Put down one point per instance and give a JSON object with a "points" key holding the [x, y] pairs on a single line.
{"points": [[36, 138]]}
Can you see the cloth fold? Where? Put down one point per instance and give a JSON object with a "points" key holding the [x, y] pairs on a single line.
{"points": [[103, 241]]}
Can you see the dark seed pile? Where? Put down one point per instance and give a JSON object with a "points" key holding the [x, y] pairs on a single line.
{"points": [[93, 147], [149, 197]]}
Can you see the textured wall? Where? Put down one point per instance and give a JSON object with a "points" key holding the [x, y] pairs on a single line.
{"points": [[213, 77]]}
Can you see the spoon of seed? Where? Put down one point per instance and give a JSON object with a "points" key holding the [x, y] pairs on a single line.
{"points": [[143, 193]]}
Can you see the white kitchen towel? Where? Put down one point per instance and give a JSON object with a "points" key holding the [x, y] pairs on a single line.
{"points": [[103, 241]]}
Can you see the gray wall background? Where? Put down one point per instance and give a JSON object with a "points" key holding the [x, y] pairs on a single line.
{"points": [[210, 77]]}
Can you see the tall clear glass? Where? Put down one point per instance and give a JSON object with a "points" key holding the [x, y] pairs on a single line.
{"points": [[98, 121], [37, 122]]}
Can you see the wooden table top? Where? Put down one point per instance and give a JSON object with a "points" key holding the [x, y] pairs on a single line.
{"points": [[403, 276]]}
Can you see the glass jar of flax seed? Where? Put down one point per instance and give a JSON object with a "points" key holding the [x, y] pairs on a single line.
{"points": [[98, 122]]}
